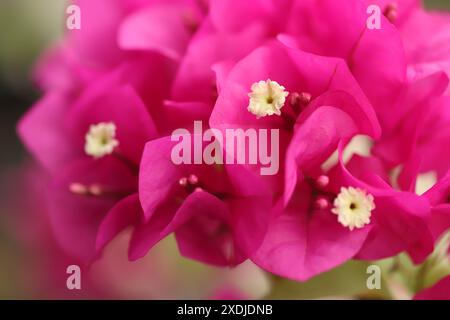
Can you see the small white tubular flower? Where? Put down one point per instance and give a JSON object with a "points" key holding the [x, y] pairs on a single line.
{"points": [[100, 140], [266, 98], [353, 207]]}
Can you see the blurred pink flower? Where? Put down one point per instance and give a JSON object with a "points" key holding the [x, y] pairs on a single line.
{"points": [[115, 90]]}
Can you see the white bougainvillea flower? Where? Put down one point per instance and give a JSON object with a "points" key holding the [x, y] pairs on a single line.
{"points": [[267, 98], [353, 207], [100, 139]]}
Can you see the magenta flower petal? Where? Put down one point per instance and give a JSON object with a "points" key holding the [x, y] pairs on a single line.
{"points": [[298, 246], [75, 216], [440, 191], [440, 220], [168, 33], [314, 74], [45, 135], [98, 29], [397, 215], [158, 176], [106, 103], [440, 291], [207, 48], [345, 35], [271, 12], [202, 229], [404, 126], [147, 234], [127, 212]]}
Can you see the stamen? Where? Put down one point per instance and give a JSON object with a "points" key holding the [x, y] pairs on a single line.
{"points": [[83, 190], [190, 183], [96, 190], [391, 12], [78, 188], [322, 181], [300, 100], [192, 179], [321, 203], [183, 182]]}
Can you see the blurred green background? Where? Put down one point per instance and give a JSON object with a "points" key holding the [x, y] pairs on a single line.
{"points": [[27, 27]]}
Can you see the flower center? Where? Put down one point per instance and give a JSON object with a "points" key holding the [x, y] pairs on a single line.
{"points": [[353, 206], [100, 140], [266, 98]]}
